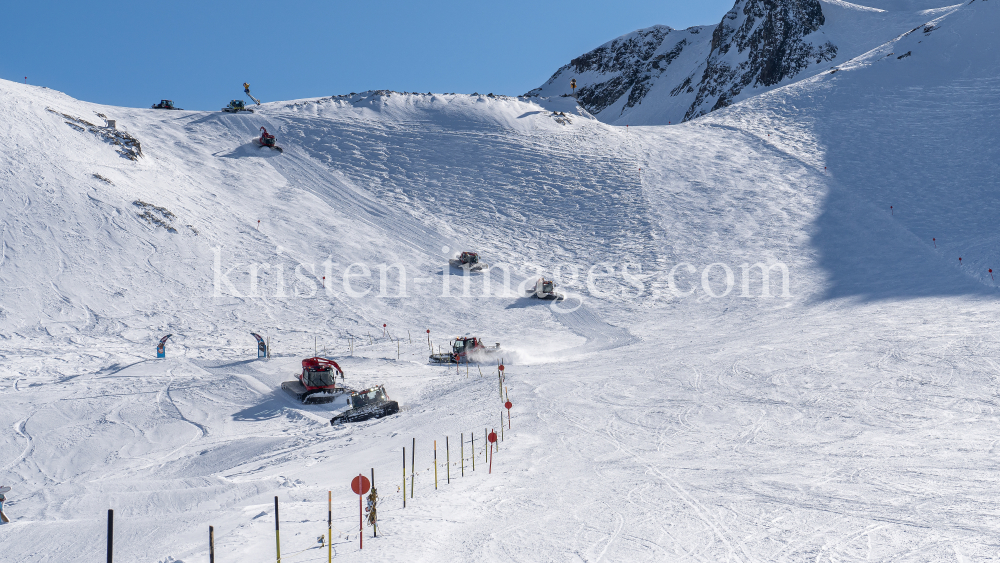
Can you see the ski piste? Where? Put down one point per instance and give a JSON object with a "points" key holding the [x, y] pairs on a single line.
{"points": [[645, 422]]}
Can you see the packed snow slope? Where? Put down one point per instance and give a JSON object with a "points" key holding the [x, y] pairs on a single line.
{"points": [[848, 416], [659, 75]]}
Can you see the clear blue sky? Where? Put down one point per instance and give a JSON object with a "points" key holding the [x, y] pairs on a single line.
{"points": [[132, 53]]}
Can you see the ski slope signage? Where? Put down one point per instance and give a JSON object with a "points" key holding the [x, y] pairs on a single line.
{"points": [[161, 348]]}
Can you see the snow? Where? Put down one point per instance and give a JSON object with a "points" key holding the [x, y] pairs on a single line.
{"points": [[852, 418]]}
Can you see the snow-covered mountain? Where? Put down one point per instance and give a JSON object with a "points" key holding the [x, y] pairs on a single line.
{"points": [[659, 75], [688, 411]]}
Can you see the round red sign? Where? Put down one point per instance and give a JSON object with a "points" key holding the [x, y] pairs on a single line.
{"points": [[360, 485], [492, 437], [508, 405]]}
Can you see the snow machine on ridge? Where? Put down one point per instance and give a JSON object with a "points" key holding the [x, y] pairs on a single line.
{"points": [[366, 404], [317, 383], [545, 289], [267, 140], [462, 347], [165, 104], [469, 260], [237, 106]]}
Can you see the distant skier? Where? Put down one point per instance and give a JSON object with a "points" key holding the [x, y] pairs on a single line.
{"points": [[3, 517]]}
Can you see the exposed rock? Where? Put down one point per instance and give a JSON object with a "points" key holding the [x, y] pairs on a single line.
{"points": [[759, 43]]}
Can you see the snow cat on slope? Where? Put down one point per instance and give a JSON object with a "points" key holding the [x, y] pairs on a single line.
{"points": [[545, 289], [466, 349], [236, 106], [468, 260], [165, 104], [317, 384], [267, 140], [367, 404]]}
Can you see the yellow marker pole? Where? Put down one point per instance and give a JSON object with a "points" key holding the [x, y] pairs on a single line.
{"points": [[461, 452], [277, 532], [447, 459], [435, 464], [404, 476], [413, 467], [329, 527]]}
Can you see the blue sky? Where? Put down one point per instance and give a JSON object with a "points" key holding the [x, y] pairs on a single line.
{"points": [[199, 53]]}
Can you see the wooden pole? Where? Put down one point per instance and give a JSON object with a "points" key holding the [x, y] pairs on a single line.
{"points": [[461, 451], [111, 535], [435, 464], [277, 532], [473, 451], [447, 459], [404, 476], [413, 466], [329, 526], [375, 523], [501, 425]]}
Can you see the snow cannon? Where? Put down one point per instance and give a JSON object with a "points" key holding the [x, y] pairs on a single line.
{"points": [[470, 261], [545, 289], [466, 349], [366, 404], [317, 383]]}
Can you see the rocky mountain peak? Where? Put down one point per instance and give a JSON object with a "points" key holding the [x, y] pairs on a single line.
{"points": [[759, 43], [682, 74]]}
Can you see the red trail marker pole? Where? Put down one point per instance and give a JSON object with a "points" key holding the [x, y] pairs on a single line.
{"points": [[891, 212], [493, 439], [934, 240], [991, 275], [959, 260], [509, 404], [360, 485]]}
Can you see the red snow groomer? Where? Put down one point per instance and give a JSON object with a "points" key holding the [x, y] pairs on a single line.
{"points": [[267, 140], [465, 349], [317, 383]]}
